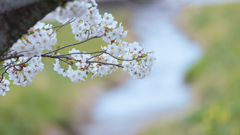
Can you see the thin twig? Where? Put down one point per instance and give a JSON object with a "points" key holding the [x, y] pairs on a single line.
{"points": [[56, 56], [72, 44], [23, 62], [95, 56], [117, 57], [16, 69], [82, 53], [5, 67], [87, 66], [60, 26], [65, 61], [119, 65], [4, 73]]}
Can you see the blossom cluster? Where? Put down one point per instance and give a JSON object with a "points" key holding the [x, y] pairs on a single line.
{"points": [[39, 38], [22, 73], [23, 61], [88, 21], [4, 86]]}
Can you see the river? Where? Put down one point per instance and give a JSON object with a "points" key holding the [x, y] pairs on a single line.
{"points": [[124, 110]]}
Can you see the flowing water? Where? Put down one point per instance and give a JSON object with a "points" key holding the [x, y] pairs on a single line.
{"points": [[125, 109]]}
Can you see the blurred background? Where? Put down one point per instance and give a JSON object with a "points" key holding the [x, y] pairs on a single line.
{"points": [[193, 90]]}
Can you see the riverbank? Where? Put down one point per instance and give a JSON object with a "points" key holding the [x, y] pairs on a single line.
{"points": [[216, 77]]}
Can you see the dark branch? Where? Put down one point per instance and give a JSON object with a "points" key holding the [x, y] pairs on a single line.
{"points": [[17, 16]]}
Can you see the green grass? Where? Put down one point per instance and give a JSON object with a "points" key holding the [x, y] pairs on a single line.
{"points": [[50, 99], [216, 78]]}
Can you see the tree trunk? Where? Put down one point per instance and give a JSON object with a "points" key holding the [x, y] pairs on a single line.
{"points": [[17, 16]]}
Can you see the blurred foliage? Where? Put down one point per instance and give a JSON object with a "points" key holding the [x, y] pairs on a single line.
{"points": [[215, 79], [50, 99]]}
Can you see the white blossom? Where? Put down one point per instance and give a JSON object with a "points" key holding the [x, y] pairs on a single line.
{"points": [[4, 86], [86, 22]]}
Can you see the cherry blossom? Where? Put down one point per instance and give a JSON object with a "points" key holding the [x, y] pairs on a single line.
{"points": [[24, 60]]}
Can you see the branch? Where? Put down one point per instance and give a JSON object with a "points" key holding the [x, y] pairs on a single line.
{"points": [[118, 65], [17, 16], [73, 44], [117, 57], [60, 26], [3, 74], [84, 53]]}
